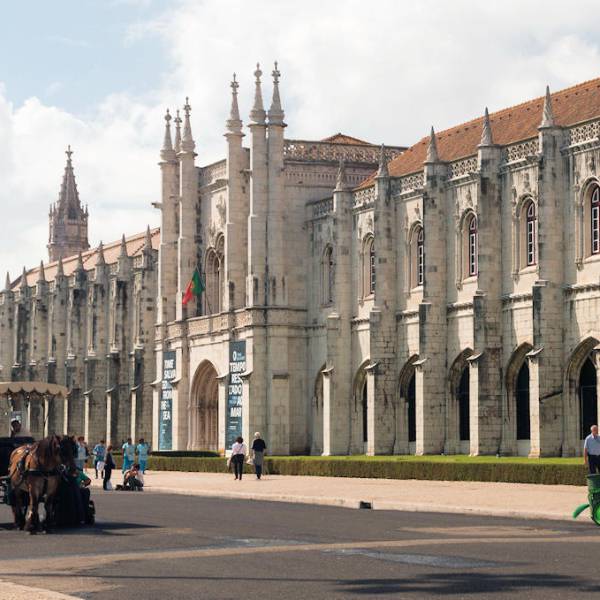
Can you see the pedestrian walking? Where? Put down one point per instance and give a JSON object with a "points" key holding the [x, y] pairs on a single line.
{"points": [[238, 454], [109, 465], [591, 450], [99, 452], [128, 455], [142, 454], [258, 454], [82, 453]]}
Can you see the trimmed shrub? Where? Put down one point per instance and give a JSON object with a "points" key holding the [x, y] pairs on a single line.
{"points": [[501, 470]]}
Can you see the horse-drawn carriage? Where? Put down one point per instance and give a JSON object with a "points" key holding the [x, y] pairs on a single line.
{"points": [[43, 471]]}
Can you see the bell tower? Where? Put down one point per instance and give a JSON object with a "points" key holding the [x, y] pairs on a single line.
{"points": [[68, 219]]}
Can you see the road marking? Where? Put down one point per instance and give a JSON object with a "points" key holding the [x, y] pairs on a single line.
{"points": [[55, 564]]}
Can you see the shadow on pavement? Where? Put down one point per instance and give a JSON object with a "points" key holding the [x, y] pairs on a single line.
{"points": [[443, 584]]}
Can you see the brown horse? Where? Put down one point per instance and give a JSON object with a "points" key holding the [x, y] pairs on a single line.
{"points": [[35, 470]]}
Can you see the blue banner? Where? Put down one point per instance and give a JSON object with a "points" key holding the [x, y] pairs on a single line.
{"points": [[165, 411], [237, 366]]}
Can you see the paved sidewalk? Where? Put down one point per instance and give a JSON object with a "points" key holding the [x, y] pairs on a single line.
{"points": [[498, 499], [12, 591]]}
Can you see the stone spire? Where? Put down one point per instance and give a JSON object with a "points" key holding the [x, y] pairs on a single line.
{"points": [[41, 272], [382, 171], [257, 114], [547, 115], [123, 250], [68, 219], [167, 150], [60, 271], [7, 283], [341, 184], [432, 153], [177, 121], [234, 123], [276, 113], [24, 277], [486, 132], [79, 266], [100, 260], [187, 142], [148, 239]]}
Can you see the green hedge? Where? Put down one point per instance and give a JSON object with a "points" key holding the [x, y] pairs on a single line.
{"points": [[503, 470]]}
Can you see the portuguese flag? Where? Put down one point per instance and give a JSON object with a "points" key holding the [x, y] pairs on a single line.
{"points": [[194, 288]]}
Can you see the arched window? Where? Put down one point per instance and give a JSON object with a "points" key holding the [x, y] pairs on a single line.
{"points": [[530, 233], [369, 273], [417, 257], [473, 265], [214, 278], [327, 276], [595, 220]]}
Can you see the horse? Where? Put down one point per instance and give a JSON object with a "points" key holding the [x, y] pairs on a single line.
{"points": [[35, 469]]}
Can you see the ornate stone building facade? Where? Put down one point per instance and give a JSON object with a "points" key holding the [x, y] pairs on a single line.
{"points": [[448, 302], [437, 298], [85, 320]]}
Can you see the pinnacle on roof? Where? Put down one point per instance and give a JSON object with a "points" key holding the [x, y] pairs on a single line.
{"points": [[59, 269], [276, 113], [100, 261], [257, 114], [177, 121], [187, 142], [24, 277], [7, 284], [79, 266], [123, 250], [68, 200], [432, 153], [341, 183], [167, 150], [547, 114], [486, 132], [148, 239], [382, 171], [41, 272], [234, 123]]}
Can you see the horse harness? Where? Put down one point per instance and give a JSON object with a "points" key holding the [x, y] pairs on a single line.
{"points": [[23, 472]]}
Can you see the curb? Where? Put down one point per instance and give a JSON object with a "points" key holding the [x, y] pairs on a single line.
{"points": [[374, 504]]}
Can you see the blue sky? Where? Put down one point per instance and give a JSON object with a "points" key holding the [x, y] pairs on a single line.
{"points": [[73, 52], [99, 74]]}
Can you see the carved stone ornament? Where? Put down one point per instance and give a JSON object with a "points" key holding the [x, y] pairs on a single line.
{"points": [[418, 212], [469, 199], [526, 182], [592, 163], [370, 223], [222, 210]]}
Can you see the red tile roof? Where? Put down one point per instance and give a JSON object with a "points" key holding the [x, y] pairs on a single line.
{"points": [[134, 244], [570, 106]]}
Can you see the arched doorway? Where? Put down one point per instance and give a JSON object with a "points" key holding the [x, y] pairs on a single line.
{"points": [[203, 420], [411, 401], [360, 428], [522, 410], [406, 420], [463, 399], [588, 398]]}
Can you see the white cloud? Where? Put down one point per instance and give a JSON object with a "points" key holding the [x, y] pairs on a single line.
{"points": [[383, 71]]}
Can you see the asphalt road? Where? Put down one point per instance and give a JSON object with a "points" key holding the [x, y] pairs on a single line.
{"points": [[158, 546]]}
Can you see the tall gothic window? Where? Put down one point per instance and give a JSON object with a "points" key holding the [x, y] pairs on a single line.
{"points": [[369, 266], [417, 257], [214, 277], [531, 233], [327, 276], [473, 246], [595, 221]]}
